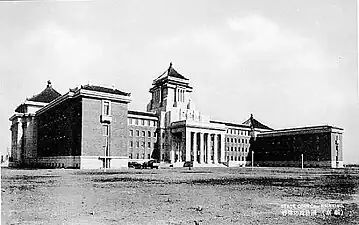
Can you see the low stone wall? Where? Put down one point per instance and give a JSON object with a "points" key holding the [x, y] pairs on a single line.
{"points": [[307, 164], [73, 162]]}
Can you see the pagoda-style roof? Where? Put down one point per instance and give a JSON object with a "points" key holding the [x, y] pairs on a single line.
{"points": [[171, 72], [47, 95], [251, 122]]}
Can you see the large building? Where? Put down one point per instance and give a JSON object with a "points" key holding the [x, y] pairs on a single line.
{"points": [[91, 127]]}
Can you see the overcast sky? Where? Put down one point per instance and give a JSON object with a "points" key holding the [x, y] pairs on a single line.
{"points": [[291, 63]]}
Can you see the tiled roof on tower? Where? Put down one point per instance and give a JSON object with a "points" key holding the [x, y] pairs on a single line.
{"points": [[256, 124], [47, 95], [171, 72]]}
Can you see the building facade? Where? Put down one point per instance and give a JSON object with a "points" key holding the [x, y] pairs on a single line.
{"points": [[91, 127]]}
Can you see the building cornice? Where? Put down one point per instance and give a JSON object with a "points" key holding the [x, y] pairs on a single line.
{"points": [[21, 115], [193, 124], [84, 93], [302, 130]]}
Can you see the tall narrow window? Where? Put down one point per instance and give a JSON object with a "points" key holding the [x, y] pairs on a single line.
{"points": [[106, 108], [106, 134]]}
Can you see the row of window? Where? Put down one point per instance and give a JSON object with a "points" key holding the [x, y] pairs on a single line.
{"points": [[157, 95], [237, 149], [138, 156], [237, 132], [180, 95], [138, 144], [239, 140], [143, 133], [236, 158], [142, 122]]}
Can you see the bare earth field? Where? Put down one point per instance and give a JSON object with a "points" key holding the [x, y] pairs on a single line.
{"points": [[180, 196]]}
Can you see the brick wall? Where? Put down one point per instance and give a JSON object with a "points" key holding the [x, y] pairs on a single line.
{"points": [[93, 140]]}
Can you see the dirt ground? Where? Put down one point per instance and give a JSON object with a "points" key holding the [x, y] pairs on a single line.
{"points": [[180, 196]]}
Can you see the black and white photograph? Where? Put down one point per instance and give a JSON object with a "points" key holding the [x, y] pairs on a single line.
{"points": [[169, 112]]}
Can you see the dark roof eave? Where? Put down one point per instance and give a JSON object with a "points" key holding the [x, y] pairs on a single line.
{"points": [[140, 113]]}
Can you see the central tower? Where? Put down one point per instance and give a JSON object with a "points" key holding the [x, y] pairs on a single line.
{"points": [[170, 90]]}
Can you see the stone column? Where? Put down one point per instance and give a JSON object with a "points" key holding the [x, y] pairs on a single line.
{"points": [[215, 148], [188, 145], [209, 148], [20, 133], [172, 155], [223, 150], [194, 147], [201, 147], [177, 149]]}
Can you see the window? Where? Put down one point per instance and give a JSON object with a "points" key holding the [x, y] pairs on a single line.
{"points": [[232, 140], [143, 133], [130, 156], [154, 123], [142, 122], [232, 149], [138, 156], [227, 139], [131, 144], [143, 144], [232, 158], [163, 135], [163, 145], [149, 144], [137, 133], [148, 156], [136, 121], [137, 144], [106, 130], [149, 133], [154, 134], [131, 133], [130, 121], [106, 108], [235, 140], [148, 122]]}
